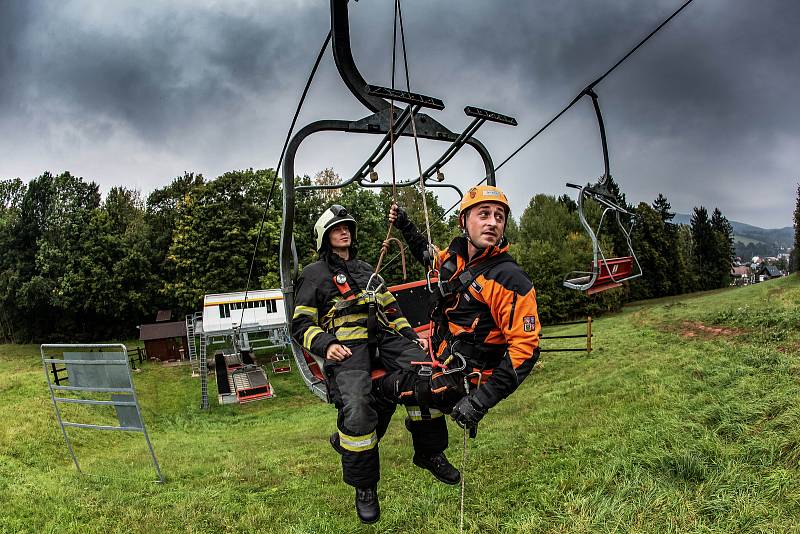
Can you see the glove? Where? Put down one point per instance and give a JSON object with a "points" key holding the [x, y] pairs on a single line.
{"points": [[446, 390], [468, 412], [402, 221]]}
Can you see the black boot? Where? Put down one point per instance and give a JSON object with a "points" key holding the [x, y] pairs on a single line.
{"points": [[367, 507], [439, 467]]}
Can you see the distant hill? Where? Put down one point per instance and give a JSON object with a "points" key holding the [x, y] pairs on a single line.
{"points": [[759, 241]]}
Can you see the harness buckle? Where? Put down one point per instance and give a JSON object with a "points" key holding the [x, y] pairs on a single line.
{"points": [[425, 371]]}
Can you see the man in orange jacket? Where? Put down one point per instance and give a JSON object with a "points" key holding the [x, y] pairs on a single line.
{"points": [[484, 318]]}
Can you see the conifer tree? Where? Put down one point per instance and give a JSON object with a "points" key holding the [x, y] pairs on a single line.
{"points": [[703, 245], [724, 251]]}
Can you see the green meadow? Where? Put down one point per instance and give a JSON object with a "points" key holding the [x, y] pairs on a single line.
{"points": [[684, 418]]}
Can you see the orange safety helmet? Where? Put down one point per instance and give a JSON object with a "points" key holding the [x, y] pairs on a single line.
{"points": [[484, 193]]}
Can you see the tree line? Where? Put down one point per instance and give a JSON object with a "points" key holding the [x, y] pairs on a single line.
{"points": [[80, 266]]}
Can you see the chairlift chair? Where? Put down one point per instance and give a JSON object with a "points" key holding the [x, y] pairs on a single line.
{"points": [[604, 273], [391, 122]]}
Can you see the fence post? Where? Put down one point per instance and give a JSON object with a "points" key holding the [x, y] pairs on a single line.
{"points": [[589, 334], [55, 374]]}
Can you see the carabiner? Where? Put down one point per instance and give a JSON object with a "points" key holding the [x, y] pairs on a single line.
{"points": [[449, 369], [433, 273]]}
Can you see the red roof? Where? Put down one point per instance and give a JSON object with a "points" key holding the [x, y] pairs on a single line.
{"points": [[742, 270]]}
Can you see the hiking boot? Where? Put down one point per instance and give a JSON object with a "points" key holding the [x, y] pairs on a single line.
{"points": [[367, 507], [439, 467]]}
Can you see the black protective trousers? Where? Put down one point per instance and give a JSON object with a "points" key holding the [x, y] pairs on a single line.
{"points": [[365, 411]]}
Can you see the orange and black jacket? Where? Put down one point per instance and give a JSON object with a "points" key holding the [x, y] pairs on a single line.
{"points": [[318, 322], [494, 322]]}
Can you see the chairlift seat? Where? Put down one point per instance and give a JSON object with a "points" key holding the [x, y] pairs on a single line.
{"points": [[405, 294], [609, 272]]}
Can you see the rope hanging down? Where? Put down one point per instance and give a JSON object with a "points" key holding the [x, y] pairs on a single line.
{"points": [[277, 167], [385, 244], [398, 17], [414, 130]]}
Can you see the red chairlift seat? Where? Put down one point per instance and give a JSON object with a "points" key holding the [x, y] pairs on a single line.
{"points": [[609, 271]]}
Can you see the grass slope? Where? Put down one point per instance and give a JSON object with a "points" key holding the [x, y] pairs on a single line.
{"points": [[686, 418]]}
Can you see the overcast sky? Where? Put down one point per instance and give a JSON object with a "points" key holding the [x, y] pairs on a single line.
{"points": [[134, 93]]}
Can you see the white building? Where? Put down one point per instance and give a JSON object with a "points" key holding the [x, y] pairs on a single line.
{"points": [[224, 312], [233, 325]]}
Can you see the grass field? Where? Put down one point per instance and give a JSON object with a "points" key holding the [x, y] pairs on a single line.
{"points": [[685, 418]]}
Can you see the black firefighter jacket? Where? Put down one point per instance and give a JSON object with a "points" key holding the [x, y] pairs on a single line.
{"points": [[323, 315]]}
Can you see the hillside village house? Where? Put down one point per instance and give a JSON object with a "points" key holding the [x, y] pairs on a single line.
{"points": [[767, 272], [741, 275]]}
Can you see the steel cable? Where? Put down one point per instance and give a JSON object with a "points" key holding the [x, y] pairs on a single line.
{"points": [[277, 167]]}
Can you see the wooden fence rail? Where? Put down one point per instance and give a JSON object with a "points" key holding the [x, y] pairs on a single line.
{"points": [[588, 336]]}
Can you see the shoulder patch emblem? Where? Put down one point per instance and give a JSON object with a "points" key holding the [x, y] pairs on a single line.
{"points": [[528, 323]]}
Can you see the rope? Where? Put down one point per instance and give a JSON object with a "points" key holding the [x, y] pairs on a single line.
{"points": [[579, 96], [463, 483], [277, 167], [385, 244], [414, 129]]}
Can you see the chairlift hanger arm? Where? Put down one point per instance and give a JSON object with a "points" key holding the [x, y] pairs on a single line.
{"points": [[343, 56], [345, 64], [589, 91], [377, 123]]}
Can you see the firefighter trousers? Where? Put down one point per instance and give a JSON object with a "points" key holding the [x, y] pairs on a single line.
{"points": [[365, 413], [404, 385]]}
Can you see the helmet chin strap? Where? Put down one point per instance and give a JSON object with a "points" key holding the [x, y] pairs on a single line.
{"points": [[466, 235], [469, 239]]}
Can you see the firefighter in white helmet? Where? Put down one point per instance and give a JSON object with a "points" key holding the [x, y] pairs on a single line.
{"points": [[344, 313]]}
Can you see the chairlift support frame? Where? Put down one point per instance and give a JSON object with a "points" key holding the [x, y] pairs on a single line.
{"points": [[378, 123]]}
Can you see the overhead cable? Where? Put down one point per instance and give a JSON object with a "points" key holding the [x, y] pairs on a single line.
{"points": [[580, 95], [280, 161]]}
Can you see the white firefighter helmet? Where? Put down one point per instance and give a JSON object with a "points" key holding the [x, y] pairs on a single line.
{"points": [[332, 216]]}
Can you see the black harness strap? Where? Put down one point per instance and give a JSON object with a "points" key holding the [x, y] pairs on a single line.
{"points": [[460, 284], [348, 293], [372, 325], [449, 290]]}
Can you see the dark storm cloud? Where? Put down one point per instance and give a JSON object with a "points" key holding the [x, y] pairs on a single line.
{"points": [[715, 87], [162, 67], [701, 113], [15, 18]]}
